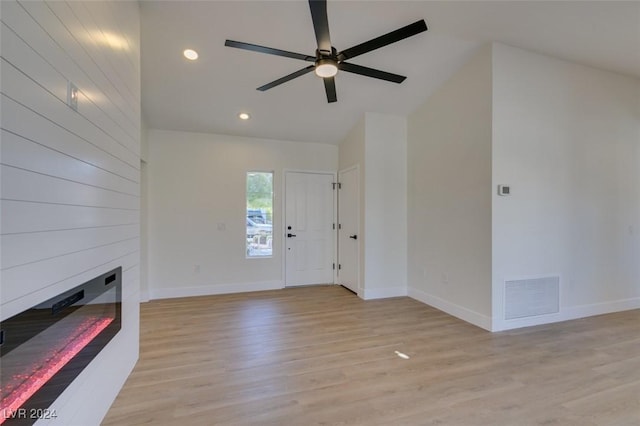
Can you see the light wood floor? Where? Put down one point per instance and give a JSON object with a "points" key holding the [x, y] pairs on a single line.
{"points": [[320, 355]]}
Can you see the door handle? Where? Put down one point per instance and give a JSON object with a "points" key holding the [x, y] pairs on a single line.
{"points": [[355, 237], [289, 235]]}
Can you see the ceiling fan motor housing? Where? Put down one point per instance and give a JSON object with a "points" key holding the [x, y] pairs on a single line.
{"points": [[325, 54]]}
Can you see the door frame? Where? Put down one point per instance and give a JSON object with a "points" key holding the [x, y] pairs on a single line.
{"points": [[283, 219], [355, 167]]}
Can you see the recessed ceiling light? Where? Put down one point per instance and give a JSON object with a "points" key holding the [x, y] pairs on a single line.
{"points": [[244, 116], [190, 54]]}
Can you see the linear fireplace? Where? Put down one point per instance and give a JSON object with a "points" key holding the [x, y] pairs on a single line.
{"points": [[43, 349]]}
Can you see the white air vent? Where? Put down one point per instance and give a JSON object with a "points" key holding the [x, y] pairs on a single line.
{"points": [[531, 297]]}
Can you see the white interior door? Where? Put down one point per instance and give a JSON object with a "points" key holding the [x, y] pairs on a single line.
{"points": [[348, 230], [309, 233]]}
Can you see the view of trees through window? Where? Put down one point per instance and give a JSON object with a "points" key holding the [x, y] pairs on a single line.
{"points": [[259, 214]]}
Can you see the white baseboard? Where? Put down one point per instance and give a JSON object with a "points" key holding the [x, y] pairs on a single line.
{"points": [[383, 293], [602, 308], [209, 290], [144, 296], [570, 313], [457, 311]]}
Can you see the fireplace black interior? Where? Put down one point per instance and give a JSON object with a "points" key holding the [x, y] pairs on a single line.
{"points": [[43, 349]]}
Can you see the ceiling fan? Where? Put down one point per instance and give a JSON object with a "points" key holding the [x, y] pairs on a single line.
{"points": [[327, 60]]}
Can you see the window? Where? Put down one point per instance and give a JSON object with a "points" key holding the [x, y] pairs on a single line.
{"points": [[259, 214]]}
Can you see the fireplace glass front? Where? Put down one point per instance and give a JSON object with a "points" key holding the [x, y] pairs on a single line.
{"points": [[43, 349]]}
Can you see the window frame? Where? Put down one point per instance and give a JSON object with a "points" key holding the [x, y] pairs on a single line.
{"points": [[269, 236]]}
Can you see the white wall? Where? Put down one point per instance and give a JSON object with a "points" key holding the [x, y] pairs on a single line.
{"points": [[197, 209], [385, 206], [351, 153], [351, 148], [449, 195], [377, 144], [70, 180], [567, 139], [144, 213]]}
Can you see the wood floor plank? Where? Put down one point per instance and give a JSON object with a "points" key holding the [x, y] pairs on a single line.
{"points": [[320, 355]]}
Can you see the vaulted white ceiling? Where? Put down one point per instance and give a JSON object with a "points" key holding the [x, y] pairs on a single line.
{"points": [[206, 95]]}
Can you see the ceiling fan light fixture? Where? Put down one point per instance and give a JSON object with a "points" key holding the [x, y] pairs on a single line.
{"points": [[326, 68], [327, 59]]}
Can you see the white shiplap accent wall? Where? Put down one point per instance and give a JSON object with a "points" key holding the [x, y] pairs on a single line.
{"points": [[70, 181]]}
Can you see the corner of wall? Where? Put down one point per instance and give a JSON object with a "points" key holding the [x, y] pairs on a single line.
{"points": [[565, 138], [449, 194], [385, 204]]}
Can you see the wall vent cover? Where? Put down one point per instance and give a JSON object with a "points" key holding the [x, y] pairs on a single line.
{"points": [[532, 297]]}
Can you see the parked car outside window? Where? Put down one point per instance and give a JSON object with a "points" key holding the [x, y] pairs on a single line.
{"points": [[254, 228], [258, 216]]}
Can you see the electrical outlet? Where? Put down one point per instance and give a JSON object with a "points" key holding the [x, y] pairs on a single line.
{"points": [[222, 226], [196, 269], [444, 279]]}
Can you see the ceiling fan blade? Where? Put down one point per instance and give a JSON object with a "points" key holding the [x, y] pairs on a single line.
{"points": [[269, 50], [321, 24], [286, 78], [370, 72], [384, 40], [330, 88]]}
